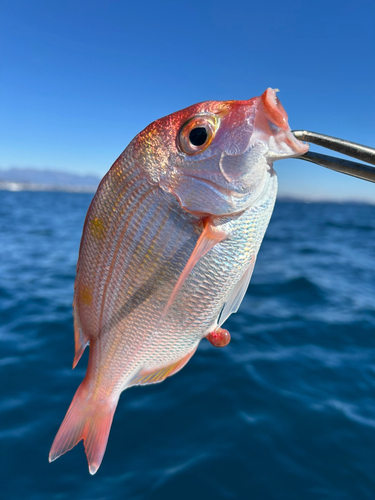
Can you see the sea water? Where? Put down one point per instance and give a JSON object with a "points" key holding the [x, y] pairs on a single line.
{"points": [[286, 411]]}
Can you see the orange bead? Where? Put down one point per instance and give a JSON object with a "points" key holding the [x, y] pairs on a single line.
{"points": [[219, 337]]}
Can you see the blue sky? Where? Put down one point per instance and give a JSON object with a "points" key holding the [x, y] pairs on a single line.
{"points": [[79, 79]]}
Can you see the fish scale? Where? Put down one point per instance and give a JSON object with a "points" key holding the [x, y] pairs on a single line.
{"points": [[210, 285], [168, 248]]}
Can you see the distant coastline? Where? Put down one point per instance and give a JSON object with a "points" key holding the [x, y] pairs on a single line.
{"points": [[29, 186], [28, 179]]}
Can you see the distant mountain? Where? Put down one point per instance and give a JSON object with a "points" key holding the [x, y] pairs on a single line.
{"points": [[29, 179]]}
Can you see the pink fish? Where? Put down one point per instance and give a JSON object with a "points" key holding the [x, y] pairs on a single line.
{"points": [[167, 252]]}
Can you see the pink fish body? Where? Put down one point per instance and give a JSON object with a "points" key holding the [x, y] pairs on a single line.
{"points": [[168, 248]]}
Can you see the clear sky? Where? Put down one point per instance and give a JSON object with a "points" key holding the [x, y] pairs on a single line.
{"points": [[79, 79]]}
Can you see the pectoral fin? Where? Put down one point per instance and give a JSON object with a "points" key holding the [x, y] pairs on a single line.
{"points": [[210, 236]]}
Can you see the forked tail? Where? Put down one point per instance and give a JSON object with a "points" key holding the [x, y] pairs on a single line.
{"points": [[86, 419]]}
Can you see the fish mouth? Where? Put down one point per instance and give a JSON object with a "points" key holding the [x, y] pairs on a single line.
{"points": [[283, 144], [271, 126]]}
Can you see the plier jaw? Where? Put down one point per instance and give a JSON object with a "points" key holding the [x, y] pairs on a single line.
{"points": [[364, 153]]}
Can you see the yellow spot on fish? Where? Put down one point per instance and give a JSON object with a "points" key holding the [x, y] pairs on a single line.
{"points": [[85, 295], [151, 131], [97, 228]]}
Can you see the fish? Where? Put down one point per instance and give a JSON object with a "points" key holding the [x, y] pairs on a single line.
{"points": [[168, 248]]}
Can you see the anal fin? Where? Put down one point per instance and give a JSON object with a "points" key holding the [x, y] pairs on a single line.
{"points": [[152, 377], [80, 341]]}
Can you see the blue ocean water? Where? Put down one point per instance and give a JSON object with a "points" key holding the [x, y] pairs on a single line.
{"points": [[286, 411]]}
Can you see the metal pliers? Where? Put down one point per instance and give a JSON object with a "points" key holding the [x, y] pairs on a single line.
{"points": [[364, 153]]}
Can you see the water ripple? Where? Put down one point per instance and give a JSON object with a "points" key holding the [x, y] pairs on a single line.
{"points": [[287, 410]]}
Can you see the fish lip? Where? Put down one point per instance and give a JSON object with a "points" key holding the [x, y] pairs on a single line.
{"points": [[271, 126], [293, 143], [283, 145]]}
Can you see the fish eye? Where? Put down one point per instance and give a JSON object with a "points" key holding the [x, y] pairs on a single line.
{"points": [[197, 134]]}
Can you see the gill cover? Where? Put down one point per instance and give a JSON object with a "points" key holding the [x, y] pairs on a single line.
{"points": [[230, 174]]}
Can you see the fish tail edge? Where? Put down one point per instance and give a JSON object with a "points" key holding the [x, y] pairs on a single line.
{"points": [[86, 419]]}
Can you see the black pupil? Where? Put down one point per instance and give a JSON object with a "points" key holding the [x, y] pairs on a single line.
{"points": [[198, 136]]}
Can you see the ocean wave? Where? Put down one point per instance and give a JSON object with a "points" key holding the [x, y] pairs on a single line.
{"points": [[288, 406]]}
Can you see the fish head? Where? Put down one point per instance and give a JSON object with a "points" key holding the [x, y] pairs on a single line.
{"points": [[216, 157]]}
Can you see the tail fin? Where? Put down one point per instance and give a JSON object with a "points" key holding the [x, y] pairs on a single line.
{"points": [[86, 419]]}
